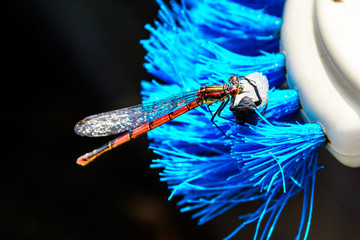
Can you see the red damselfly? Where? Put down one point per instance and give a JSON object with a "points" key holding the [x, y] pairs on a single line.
{"points": [[139, 119]]}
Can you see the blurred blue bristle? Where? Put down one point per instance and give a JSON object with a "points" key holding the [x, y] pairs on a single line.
{"points": [[202, 42]]}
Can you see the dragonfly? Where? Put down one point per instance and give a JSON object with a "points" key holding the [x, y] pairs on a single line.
{"points": [[245, 95]]}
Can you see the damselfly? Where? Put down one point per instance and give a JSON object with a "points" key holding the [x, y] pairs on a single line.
{"points": [[245, 94]]}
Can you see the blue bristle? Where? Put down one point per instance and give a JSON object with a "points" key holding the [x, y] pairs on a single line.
{"points": [[279, 158], [282, 104], [274, 7], [201, 42], [266, 151], [234, 26], [176, 46]]}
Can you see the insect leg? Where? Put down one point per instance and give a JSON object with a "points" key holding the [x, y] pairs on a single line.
{"points": [[217, 113], [208, 108], [222, 108], [251, 82]]}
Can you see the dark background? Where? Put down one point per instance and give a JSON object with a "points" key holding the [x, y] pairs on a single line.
{"points": [[65, 60]]}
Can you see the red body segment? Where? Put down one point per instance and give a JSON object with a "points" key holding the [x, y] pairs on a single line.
{"points": [[90, 156]]}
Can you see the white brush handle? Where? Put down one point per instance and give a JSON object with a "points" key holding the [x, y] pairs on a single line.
{"points": [[321, 41]]}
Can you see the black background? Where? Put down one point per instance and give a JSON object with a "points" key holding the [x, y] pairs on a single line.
{"points": [[65, 60]]}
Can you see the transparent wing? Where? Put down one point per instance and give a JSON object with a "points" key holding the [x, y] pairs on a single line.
{"points": [[125, 119]]}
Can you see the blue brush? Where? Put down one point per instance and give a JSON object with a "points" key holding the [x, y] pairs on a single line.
{"points": [[200, 42]]}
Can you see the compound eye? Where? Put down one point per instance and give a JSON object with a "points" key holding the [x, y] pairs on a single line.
{"points": [[233, 79]]}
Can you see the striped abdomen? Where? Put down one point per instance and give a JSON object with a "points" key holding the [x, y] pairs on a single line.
{"points": [[90, 156]]}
